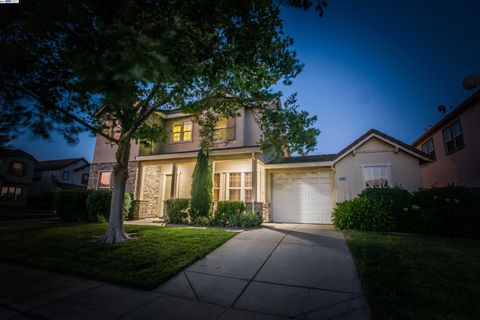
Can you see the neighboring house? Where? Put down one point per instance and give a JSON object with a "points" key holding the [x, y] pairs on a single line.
{"points": [[296, 189], [453, 144], [54, 175], [16, 174]]}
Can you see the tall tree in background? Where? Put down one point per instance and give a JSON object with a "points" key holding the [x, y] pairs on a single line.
{"points": [[82, 65]]}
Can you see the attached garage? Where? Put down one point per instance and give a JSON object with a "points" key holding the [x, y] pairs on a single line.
{"points": [[302, 196]]}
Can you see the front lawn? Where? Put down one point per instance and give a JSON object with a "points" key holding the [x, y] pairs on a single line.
{"points": [[145, 262], [415, 277]]}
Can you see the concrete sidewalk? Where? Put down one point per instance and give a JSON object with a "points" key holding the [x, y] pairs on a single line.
{"points": [[276, 272]]}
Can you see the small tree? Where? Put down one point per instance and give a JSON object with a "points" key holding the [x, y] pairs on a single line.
{"points": [[201, 202]]}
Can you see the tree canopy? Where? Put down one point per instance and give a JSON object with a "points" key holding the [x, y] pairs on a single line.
{"points": [[77, 65]]}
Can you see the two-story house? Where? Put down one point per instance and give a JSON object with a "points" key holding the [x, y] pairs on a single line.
{"points": [[53, 175], [295, 189], [453, 145], [16, 174]]}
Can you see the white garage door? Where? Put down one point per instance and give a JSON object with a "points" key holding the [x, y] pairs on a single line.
{"points": [[302, 196]]}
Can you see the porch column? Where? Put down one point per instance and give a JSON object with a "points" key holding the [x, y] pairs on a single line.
{"points": [[254, 180], [174, 180]]}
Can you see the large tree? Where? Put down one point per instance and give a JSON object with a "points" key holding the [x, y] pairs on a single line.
{"points": [[77, 65]]}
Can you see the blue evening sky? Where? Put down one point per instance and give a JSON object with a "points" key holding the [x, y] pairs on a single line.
{"points": [[368, 64]]}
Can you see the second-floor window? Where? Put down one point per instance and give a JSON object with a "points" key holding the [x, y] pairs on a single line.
{"points": [[429, 149], [65, 175], [453, 137], [17, 168], [182, 131], [225, 129]]}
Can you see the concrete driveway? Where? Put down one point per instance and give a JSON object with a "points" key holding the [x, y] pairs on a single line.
{"points": [[279, 271]]}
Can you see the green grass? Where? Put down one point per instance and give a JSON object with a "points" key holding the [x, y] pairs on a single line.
{"points": [[144, 262], [414, 277]]}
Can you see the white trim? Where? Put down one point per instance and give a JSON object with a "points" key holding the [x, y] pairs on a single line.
{"points": [[298, 165], [194, 154], [374, 135]]}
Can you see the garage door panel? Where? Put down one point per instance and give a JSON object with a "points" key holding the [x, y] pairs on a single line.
{"points": [[304, 197]]}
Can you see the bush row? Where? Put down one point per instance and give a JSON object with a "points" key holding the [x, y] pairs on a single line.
{"points": [[449, 211], [227, 214], [81, 205]]}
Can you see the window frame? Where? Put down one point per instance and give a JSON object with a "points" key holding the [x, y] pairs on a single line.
{"points": [[11, 170], [63, 175], [99, 177], [218, 188], [449, 129], [242, 187], [434, 157], [389, 177], [182, 131], [82, 180]]}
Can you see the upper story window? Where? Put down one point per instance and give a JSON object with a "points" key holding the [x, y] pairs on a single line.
{"points": [[65, 175], [17, 168], [453, 137], [225, 129], [376, 176], [104, 178], [84, 178], [182, 131], [429, 149]]}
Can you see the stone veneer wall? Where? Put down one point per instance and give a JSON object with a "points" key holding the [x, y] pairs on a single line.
{"points": [[150, 204], [262, 208], [131, 185]]}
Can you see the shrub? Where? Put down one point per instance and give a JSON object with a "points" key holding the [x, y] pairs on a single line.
{"points": [[177, 210], [201, 203], [98, 205], [70, 205], [226, 211], [202, 221], [364, 213]]}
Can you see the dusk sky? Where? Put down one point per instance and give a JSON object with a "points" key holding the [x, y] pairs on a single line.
{"points": [[368, 64]]}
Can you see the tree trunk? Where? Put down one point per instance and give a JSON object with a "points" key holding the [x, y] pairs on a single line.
{"points": [[115, 232]]}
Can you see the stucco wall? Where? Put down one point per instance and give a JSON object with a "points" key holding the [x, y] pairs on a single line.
{"points": [[404, 169], [461, 167], [105, 151]]}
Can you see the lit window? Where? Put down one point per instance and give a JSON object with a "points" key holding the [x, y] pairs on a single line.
{"points": [[11, 193], [453, 137], [65, 175], [235, 185], [376, 176], [182, 131], [17, 168], [429, 149], [221, 129], [216, 186], [104, 178]]}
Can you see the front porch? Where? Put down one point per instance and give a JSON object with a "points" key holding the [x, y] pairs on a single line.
{"points": [[235, 177]]}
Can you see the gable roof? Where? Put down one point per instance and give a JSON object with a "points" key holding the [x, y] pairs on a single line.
{"points": [[57, 164], [372, 133], [449, 116], [16, 153]]}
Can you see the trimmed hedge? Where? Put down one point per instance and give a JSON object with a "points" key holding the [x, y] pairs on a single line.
{"points": [[226, 211], [447, 211], [177, 210], [70, 205], [98, 205]]}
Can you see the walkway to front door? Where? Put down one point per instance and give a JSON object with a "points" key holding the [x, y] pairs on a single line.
{"points": [[281, 270]]}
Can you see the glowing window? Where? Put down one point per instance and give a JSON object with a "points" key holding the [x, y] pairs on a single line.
{"points": [[104, 178]]}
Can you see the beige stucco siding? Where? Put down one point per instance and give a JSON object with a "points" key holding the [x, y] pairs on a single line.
{"points": [[105, 151], [404, 169]]}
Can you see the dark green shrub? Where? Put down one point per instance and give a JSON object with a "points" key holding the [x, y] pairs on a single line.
{"points": [[45, 201], [70, 205], [98, 205], [247, 220], [202, 221], [177, 210], [226, 211], [364, 213], [201, 202]]}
